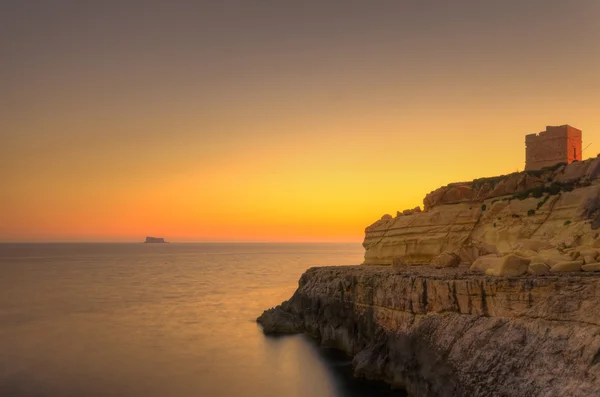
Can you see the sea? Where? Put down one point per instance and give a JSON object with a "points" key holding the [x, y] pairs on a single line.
{"points": [[145, 320]]}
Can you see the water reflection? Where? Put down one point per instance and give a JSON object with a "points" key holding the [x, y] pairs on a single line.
{"points": [[329, 371], [133, 320]]}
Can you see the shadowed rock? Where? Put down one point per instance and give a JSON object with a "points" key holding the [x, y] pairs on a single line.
{"points": [[452, 332], [279, 321]]}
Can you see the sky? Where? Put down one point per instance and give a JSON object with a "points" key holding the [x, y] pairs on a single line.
{"points": [[271, 120]]}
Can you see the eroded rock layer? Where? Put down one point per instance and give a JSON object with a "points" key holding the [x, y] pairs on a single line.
{"points": [[556, 208], [454, 332]]}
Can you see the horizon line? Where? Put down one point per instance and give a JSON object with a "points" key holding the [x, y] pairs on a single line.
{"points": [[181, 242]]}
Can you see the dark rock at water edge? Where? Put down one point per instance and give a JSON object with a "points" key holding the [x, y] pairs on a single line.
{"points": [[451, 332], [277, 321]]}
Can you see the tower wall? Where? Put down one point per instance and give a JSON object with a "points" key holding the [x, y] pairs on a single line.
{"points": [[555, 145]]}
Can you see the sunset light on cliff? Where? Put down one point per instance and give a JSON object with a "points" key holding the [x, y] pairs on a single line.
{"points": [[272, 121]]}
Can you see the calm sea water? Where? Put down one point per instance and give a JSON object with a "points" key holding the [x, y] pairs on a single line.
{"points": [[148, 320]]}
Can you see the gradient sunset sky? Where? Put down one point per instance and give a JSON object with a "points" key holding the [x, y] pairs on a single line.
{"points": [[271, 120]]}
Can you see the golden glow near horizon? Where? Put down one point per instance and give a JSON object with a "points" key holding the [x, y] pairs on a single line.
{"points": [[279, 132]]}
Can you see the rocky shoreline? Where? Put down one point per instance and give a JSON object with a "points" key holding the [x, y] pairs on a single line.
{"points": [[453, 332], [493, 289]]}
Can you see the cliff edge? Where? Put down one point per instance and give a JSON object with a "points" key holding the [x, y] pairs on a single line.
{"points": [[493, 289], [549, 216], [452, 332]]}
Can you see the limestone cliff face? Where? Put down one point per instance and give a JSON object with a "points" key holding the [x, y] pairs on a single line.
{"points": [[493, 290], [558, 206], [452, 332], [489, 188]]}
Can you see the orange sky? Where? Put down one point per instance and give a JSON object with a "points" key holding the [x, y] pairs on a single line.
{"points": [[275, 122]]}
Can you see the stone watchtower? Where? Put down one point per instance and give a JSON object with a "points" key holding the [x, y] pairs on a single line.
{"points": [[560, 144]]}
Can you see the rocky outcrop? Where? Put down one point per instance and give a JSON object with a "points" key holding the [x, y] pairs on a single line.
{"points": [[556, 208], [454, 332], [420, 237], [513, 184], [483, 189], [155, 240], [493, 290]]}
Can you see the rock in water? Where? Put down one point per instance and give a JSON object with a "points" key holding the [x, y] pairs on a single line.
{"points": [[155, 240], [278, 321]]}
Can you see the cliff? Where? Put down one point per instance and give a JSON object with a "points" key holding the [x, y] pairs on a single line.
{"points": [[551, 210], [449, 332], [493, 289]]}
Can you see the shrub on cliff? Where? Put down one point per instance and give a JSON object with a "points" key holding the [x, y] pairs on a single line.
{"points": [[521, 195], [555, 166], [537, 173], [554, 188], [542, 202], [537, 191], [492, 181]]}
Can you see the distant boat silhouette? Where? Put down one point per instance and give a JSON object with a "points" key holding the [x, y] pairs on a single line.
{"points": [[155, 240]]}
